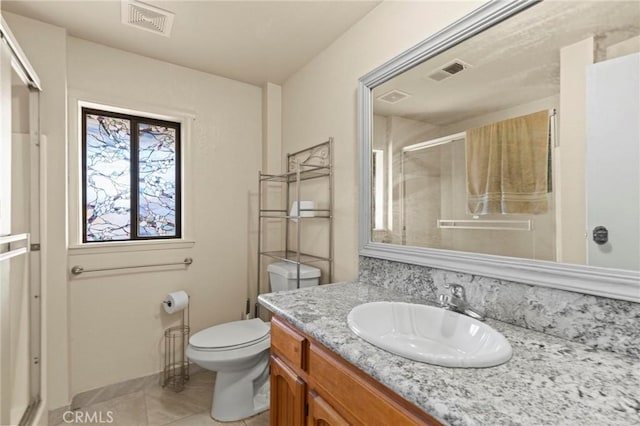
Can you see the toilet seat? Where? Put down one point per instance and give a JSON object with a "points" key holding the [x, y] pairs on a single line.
{"points": [[233, 348], [231, 336]]}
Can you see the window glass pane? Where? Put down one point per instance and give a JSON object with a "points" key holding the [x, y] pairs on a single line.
{"points": [[108, 178], [157, 181]]}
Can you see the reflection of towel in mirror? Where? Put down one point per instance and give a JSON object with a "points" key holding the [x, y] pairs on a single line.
{"points": [[508, 166]]}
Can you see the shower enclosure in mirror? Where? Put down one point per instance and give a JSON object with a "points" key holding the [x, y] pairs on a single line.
{"points": [[510, 142], [19, 235]]}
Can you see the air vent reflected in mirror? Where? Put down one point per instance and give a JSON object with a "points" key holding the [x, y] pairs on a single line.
{"points": [[449, 69], [393, 96]]}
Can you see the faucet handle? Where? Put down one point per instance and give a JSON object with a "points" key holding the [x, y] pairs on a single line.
{"points": [[444, 299], [456, 290]]}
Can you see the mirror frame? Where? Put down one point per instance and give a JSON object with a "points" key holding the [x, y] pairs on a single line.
{"points": [[599, 281]]}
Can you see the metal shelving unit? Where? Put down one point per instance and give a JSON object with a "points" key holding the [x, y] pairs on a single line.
{"points": [[312, 163]]}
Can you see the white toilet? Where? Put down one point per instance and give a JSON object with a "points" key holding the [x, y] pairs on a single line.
{"points": [[239, 352], [282, 276]]}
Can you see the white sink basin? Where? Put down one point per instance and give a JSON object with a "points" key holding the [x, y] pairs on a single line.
{"points": [[429, 334]]}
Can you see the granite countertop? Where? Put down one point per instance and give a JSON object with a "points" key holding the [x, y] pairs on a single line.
{"points": [[548, 381]]}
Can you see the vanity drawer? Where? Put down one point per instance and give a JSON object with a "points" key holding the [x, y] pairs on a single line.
{"points": [[288, 343], [366, 401]]}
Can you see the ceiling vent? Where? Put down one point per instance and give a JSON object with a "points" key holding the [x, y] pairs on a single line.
{"points": [[393, 96], [448, 70], [147, 17]]}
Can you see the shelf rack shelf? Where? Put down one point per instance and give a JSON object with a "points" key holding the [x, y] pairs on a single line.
{"points": [[308, 172], [292, 256], [315, 162], [285, 216]]}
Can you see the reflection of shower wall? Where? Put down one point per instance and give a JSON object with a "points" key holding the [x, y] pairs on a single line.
{"points": [[536, 244], [453, 167], [402, 132], [539, 243], [390, 134], [435, 188], [379, 142], [424, 177]]}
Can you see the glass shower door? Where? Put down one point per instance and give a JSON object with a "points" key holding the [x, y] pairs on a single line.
{"points": [[15, 324], [19, 224]]}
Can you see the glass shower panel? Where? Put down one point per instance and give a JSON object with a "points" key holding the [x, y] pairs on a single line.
{"points": [[18, 266], [433, 209], [19, 220], [15, 270]]}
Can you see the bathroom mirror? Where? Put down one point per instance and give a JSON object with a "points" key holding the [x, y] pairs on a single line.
{"points": [[507, 145]]}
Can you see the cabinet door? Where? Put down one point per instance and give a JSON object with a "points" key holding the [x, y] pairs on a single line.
{"points": [[288, 344], [323, 414], [361, 400], [287, 395]]}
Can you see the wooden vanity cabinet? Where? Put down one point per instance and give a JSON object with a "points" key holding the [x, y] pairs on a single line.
{"points": [[287, 395], [314, 386], [321, 413]]}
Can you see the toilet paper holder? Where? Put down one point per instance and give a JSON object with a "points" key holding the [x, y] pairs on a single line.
{"points": [[176, 364]]}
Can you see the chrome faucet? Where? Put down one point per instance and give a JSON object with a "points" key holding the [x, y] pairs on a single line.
{"points": [[457, 302]]}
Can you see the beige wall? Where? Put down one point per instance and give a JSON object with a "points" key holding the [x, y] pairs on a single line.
{"points": [[626, 47], [116, 322], [106, 328], [320, 100]]}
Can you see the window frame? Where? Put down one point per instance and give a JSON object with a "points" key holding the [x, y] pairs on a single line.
{"points": [[135, 121]]}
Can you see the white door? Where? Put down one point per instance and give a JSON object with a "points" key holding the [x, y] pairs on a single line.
{"points": [[613, 163]]}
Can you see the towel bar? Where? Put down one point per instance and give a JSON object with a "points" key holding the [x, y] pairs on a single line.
{"points": [[519, 225], [13, 252], [77, 269]]}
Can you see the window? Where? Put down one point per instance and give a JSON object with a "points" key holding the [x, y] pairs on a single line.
{"points": [[130, 177]]}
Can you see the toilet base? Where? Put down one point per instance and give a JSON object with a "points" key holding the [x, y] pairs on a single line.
{"points": [[236, 398]]}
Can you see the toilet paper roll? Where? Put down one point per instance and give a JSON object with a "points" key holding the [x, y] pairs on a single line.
{"points": [[176, 301]]}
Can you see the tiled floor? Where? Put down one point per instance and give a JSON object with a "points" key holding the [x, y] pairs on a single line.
{"points": [[155, 406]]}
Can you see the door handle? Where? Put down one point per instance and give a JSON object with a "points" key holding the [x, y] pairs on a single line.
{"points": [[600, 235]]}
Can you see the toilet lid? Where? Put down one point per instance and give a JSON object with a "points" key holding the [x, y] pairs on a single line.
{"points": [[236, 333]]}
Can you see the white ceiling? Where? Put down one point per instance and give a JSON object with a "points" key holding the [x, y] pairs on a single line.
{"points": [[515, 62], [250, 41]]}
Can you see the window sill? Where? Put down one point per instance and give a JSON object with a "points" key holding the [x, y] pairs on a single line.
{"points": [[130, 246]]}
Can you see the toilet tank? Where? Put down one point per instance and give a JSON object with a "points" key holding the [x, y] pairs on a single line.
{"points": [[282, 276]]}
